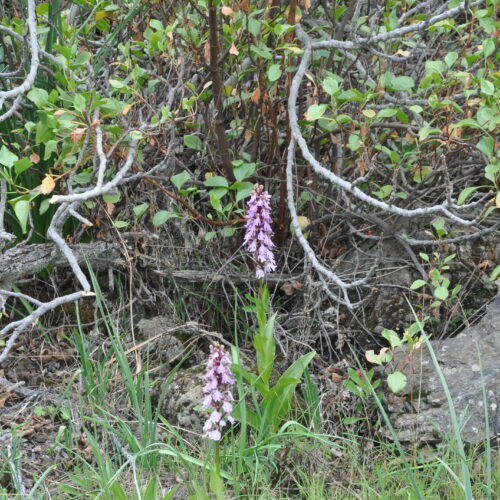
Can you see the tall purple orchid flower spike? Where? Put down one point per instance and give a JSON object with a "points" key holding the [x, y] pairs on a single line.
{"points": [[217, 392], [259, 232]]}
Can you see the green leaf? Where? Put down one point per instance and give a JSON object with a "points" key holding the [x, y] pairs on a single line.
{"points": [[490, 172], [243, 171], [7, 158], [441, 293], [111, 106], [330, 85], [216, 181], [44, 206], [495, 273], [79, 103], [50, 147], [111, 197], [402, 83], [244, 191], [384, 191], [378, 359], [392, 337], [386, 113], [354, 142], [117, 491], [278, 401], [171, 493], [162, 216], [424, 256], [38, 96], [250, 378], [417, 284], [82, 178], [438, 223], [315, 111], [119, 224], [450, 59], [140, 209], [216, 485], [262, 51], [352, 420], [21, 209], [82, 58], [486, 145], [180, 179], [274, 72], [484, 115], [21, 165], [193, 142], [488, 47], [215, 201], [465, 193], [265, 347], [487, 87], [117, 84], [396, 381], [156, 25], [355, 389], [151, 492], [421, 173], [254, 26]]}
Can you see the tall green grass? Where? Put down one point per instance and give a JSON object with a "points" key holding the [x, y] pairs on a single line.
{"points": [[122, 447]]}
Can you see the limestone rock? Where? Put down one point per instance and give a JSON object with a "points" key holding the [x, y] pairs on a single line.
{"points": [[163, 336], [184, 394], [420, 412]]}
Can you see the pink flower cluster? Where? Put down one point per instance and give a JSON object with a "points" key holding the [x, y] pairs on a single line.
{"points": [[258, 231], [217, 391]]}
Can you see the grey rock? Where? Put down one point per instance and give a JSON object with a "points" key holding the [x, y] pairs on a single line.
{"points": [[420, 413], [184, 394], [163, 336]]}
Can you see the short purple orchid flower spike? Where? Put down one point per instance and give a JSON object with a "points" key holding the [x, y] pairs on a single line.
{"points": [[259, 232], [217, 392]]}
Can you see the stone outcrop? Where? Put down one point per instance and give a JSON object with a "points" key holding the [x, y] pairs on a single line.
{"points": [[420, 413]]}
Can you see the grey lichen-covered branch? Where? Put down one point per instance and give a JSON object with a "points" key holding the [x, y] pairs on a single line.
{"points": [[16, 93], [447, 208]]}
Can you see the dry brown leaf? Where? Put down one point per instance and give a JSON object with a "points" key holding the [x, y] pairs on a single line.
{"points": [[297, 284], [361, 164], [256, 95], [306, 4], [288, 289], [126, 108], [77, 134], [3, 399], [227, 11], [244, 5], [34, 157], [48, 185], [233, 50]]}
